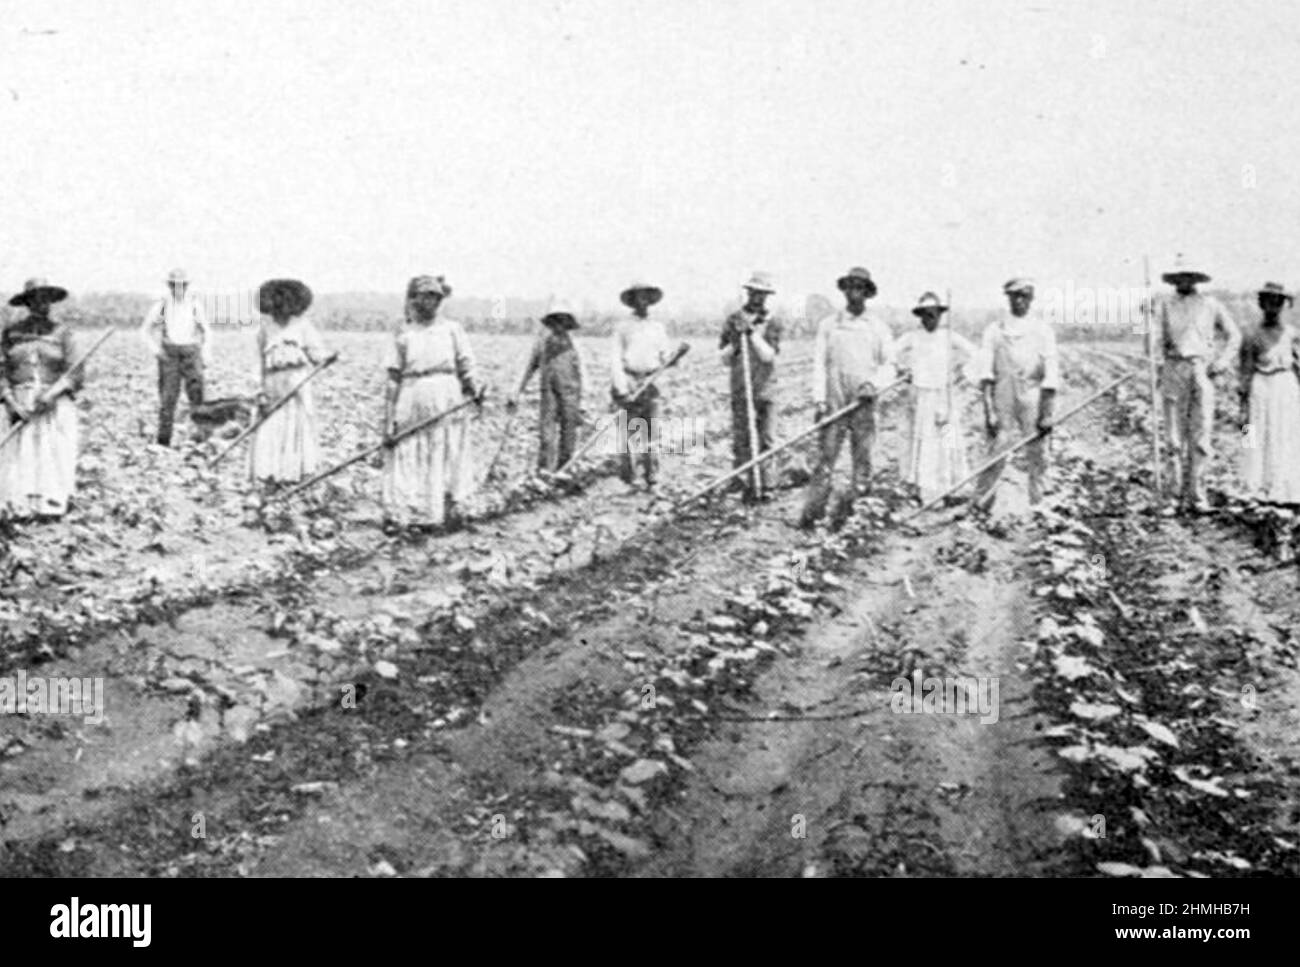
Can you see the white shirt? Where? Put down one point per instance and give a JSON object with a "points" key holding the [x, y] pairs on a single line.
{"points": [[930, 355], [847, 352], [1021, 348], [179, 322]]}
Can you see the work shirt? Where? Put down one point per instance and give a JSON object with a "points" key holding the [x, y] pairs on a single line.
{"points": [[640, 346], [557, 357], [39, 352], [762, 374], [1022, 348], [930, 356], [1186, 325], [175, 322], [849, 351]]}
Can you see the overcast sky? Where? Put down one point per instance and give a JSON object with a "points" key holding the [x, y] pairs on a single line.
{"points": [[567, 147]]}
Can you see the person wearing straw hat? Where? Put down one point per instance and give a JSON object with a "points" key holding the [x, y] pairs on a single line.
{"points": [[286, 448], [1270, 402], [431, 369], [1019, 372], [936, 452], [561, 379], [640, 346], [176, 331], [38, 463], [1185, 328], [754, 324], [853, 359]]}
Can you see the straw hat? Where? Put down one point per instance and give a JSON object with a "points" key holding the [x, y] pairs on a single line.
{"points": [[33, 287], [1183, 269], [288, 294], [929, 302], [857, 274], [656, 293], [760, 282], [178, 277]]}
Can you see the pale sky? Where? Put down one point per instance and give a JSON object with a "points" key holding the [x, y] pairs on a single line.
{"points": [[569, 147]]}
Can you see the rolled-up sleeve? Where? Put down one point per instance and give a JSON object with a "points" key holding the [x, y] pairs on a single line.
{"points": [[1227, 325], [983, 367]]}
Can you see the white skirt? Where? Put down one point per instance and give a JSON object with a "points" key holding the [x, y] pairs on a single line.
{"points": [[1270, 447], [38, 465], [429, 468], [936, 459], [286, 447]]}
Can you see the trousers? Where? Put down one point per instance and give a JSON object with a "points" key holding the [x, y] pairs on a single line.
{"points": [[1015, 401], [1188, 395], [557, 423], [860, 427], [177, 365]]}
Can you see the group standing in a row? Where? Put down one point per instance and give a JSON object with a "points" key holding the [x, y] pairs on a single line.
{"points": [[431, 369]]}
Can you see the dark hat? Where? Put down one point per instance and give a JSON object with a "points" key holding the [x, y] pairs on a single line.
{"points": [[421, 284], [857, 274], [561, 314], [289, 295], [929, 302], [656, 293], [1277, 289], [31, 287]]}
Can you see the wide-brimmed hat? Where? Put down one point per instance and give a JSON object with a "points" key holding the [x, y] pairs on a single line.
{"points": [[421, 284], [857, 274], [1018, 284], [178, 277], [288, 294], [760, 282], [32, 287], [929, 302], [561, 313], [1184, 269], [1277, 289], [656, 293]]}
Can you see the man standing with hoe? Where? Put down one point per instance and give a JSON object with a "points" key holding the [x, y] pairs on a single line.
{"points": [[750, 341], [853, 359], [1019, 372], [641, 347], [1184, 332], [176, 332]]}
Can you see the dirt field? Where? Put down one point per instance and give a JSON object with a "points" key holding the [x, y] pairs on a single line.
{"points": [[582, 684]]}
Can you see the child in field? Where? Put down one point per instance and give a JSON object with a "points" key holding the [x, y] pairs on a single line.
{"points": [[560, 365], [285, 448]]}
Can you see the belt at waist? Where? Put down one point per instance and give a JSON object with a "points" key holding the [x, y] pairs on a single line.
{"points": [[281, 369], [183, 346], [1272, 372], [638, 373], [1183, 359], [435, 371]]}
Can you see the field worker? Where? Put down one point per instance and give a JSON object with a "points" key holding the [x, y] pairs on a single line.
{"points": [[431, 368], [286, 448], [754, 327], [1270, 403], [640, 346], [1185, 327], [1019, 372], [927, 355], [38, 463], [853, 360], [557, 359], [176, 331]]}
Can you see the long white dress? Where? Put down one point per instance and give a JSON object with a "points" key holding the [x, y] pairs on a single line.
{"points": [[1270, 449], [38, 465], [427, 469], [286, 448], [936, 450]]}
